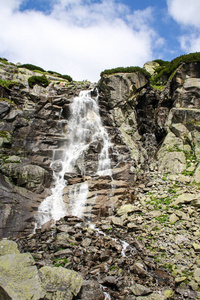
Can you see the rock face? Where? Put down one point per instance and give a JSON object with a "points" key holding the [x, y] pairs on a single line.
{"points": [[143, 241], [149, 129]]}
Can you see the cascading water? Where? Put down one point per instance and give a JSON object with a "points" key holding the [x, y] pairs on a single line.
{"points": [[84, 127]]}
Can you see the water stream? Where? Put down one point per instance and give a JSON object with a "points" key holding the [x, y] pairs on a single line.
{"points": [[84, 128]]}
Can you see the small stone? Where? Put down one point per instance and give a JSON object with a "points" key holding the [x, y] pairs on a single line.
{"points": [[126, 209], [180, 279], [86, 242], [63, 253], [194, 285], [196, 247], [138, 268], [197, 275], [117, 221], [140, 290], [173, 219], [132, 227], [13, 159], [168, 293], [198, 262]]}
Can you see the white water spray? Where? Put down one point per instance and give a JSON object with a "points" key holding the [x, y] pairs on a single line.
{"points": [[84, 127]]}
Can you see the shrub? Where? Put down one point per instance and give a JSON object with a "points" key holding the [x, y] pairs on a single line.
{"points": [[40, 80], [4, 60], [31, 67], [166, 69], [69, 78], [161, 62], [54, 73], [125, 70]]}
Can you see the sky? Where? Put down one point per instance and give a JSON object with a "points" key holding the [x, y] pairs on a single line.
{"points": [[81, 38]]}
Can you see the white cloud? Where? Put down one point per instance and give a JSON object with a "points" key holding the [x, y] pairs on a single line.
{"points": [[190, 42], [79, 38], [186, 13]]}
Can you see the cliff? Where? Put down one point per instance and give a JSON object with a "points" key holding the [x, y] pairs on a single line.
{"points": [[151, 199]]}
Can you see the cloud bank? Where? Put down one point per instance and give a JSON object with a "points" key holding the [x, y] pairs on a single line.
{"points": [[76, 37], [186, 13]]}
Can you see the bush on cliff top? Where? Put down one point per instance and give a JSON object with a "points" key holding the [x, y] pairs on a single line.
{"points": [[166, 69], [31, 67], [36, 68], [67, 77], [40, 80], [125, 70]]}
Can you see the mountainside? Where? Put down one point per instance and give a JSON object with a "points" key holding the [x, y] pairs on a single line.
{"points": [[138, 234]]}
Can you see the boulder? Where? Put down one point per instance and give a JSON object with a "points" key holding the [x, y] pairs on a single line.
{"points": [[60, 283], [29, 176], [172, 163], [19, 277], [140, 290], [91, 290], [8, 247], [187, 198], [126, 209]]}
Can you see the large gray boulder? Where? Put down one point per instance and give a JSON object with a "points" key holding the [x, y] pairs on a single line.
{"points": [[29, 176], [60, 283], [19, 277]]}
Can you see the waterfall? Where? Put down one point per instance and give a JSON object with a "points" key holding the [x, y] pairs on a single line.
{"points": [[84, 128]]}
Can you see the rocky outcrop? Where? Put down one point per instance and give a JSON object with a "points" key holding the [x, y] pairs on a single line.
{"points": [[149, 129], [143, 240]]}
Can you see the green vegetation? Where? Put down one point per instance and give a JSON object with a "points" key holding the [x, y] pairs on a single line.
{"points": [[60, 262], [38, 69], [40, 80], [66, 77], [125, 70], [166, 69], [4, 61], [162, 219], [7, 100], [7, 84], [31, 67], [69, 78], [158, 87]]}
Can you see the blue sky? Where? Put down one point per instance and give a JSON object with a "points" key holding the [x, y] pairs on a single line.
{"points": [[81, 38]]}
